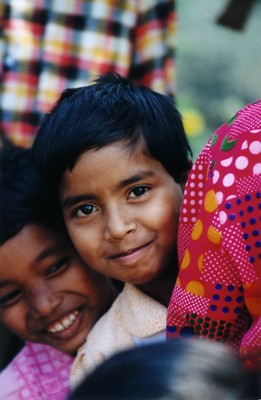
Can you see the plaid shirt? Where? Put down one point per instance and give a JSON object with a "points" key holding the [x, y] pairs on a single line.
{"points": [[46, 48]]}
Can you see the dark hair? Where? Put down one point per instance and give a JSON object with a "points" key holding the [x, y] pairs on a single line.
{"points": [[173, 370], [22, 194], [109, 110]]}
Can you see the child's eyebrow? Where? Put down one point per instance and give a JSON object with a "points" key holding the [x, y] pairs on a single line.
{"points": [[48, 251], [5, 283], [69, 201], [135, 178]]}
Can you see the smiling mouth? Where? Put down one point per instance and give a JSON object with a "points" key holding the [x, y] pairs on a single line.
{"points": [[128, 252], [64, 323]]}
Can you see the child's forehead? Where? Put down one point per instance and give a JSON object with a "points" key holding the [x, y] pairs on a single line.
{"points": [[121, 148], [117, 158], [34, 241], [109, 170]]}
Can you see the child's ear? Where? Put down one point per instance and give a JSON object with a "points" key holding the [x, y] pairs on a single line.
{"points": [[185, 175]]}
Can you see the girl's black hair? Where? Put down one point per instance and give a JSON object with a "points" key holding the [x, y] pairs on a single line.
{"points": [[111, 109], [22, 193]]}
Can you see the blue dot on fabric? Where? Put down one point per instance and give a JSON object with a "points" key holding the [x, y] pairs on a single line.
{"points": [[238, 201], [252, 259], [232, 217], [171, 329], [213, 308], [225, 310], [228, 299], [258, 244], [255, 232], [258, 195], [228, 206], [252, 221], [186, 332], [236, 310], [245, 236], [259, 255], [241, 213], [230, 288], [241, 289], [250, 209], [248, 247], [248, 197], [216, 297], [239, 299], [218, 286]]}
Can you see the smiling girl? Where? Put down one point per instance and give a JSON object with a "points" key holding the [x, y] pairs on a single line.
{"points": [[48, 296]]}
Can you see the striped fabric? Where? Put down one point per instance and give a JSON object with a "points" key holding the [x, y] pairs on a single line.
{"points": [[46, 47]]}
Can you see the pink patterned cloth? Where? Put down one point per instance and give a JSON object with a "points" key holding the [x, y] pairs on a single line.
{"points": [[217, 295], [38, 372]]}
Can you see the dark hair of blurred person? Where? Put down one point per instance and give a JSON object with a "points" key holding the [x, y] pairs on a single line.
{"points": [[177, 370]]}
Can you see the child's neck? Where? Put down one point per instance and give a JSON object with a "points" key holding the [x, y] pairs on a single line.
{"points": [[161, 289]]}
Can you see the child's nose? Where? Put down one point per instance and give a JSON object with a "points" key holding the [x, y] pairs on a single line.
{"points": [[118, 223], [43, 302]]}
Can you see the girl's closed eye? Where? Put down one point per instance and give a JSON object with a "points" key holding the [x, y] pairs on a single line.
{"points": [[84, 210], [138, 191], [10, 298], [57, 267]]}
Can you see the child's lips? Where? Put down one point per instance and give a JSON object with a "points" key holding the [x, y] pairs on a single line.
{"points": [[65, 327], [63, 323], [129, 252]]}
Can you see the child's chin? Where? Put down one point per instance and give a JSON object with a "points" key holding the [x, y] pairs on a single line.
{"points": [[69, 346]]}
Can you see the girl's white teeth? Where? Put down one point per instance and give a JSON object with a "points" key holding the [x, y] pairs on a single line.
{"points": [[65, 323]]}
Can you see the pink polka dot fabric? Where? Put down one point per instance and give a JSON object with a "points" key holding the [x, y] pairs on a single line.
{"points": [[217, 294]]}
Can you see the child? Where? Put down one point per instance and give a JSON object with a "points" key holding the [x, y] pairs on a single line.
{"points": [[219, 241], [119, 157], [47, 294]]}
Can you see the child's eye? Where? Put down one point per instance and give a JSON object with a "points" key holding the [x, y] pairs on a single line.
{"points": [[57, 267], [84, 210], [138, 191], [10, 298]]}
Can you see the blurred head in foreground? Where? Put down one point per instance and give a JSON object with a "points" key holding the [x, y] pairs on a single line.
{"points": [[180, 370]]}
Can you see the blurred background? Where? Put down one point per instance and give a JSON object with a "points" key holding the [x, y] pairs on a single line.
{"points": [[218, 68]]}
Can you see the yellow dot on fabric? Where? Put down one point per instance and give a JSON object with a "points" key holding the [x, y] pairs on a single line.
{"points": [[195, 287], [248, 285], [254, 306], [213, 235], [197, 230], [200, 262], [186, 260], [210, 201], [178, 282]]}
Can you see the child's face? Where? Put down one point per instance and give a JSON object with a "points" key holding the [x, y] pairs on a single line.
{"points": [[121, 209], [47, 294]]}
